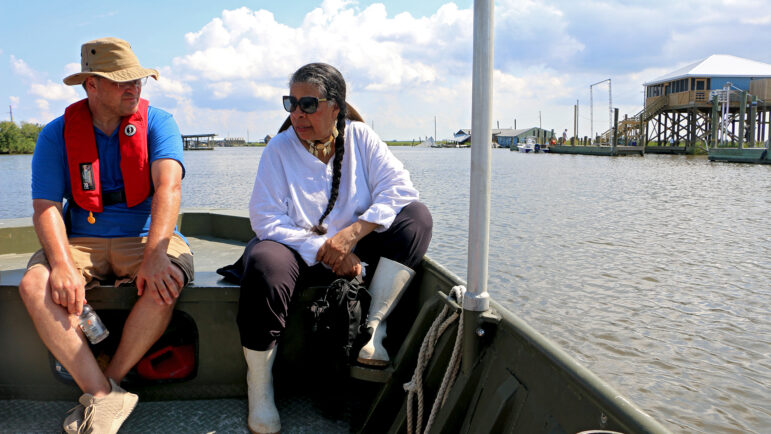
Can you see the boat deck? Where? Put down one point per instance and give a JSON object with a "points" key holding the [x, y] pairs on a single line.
{"points": [[298, 415], [518, 380]]}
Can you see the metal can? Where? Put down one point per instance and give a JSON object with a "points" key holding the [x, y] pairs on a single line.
{"points": [[92, 325]]}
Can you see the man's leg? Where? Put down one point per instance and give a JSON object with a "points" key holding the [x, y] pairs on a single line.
{"points": [[144, 326], [60, 332], [147, 320]]}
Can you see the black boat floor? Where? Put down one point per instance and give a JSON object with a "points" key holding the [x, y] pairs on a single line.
{"points": [[298, 415]]}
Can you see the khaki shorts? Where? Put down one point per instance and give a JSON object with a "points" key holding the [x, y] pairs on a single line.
{"points": [[104, 260]]}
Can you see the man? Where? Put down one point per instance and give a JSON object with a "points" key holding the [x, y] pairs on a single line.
{"points": [[118, 162]]}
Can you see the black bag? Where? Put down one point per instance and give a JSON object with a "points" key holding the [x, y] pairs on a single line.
{"points": [[336, 319]]}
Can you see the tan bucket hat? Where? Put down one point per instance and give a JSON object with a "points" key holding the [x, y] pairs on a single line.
{"points": [[110, 58]]}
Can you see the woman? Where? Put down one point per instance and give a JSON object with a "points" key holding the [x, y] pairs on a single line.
{"points": [[329, 198]]}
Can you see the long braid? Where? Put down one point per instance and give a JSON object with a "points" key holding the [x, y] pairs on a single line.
{"points": [[337, 164]]}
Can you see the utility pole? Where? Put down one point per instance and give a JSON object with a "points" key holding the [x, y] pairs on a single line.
{"points": [[515, 123], [10, 110]]}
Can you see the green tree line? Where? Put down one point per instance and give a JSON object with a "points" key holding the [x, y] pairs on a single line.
{"points": [[16, 140]]}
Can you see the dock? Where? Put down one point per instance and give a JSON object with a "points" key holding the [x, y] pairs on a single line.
{"points": [[198, 142], [609, 151], [740, 155]]}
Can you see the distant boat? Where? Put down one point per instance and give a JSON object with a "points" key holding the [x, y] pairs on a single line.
{"points": [[428, 143], [529, 146]]}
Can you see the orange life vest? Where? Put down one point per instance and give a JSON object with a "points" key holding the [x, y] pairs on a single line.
{"points": [[83, 157]]}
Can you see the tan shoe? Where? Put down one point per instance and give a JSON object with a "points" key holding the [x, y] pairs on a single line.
{"points": [[73, 419], [100, 415]]}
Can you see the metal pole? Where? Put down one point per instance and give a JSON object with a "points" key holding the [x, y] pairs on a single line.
{"points": [[477, 299], [713, 124], [610, 108]]}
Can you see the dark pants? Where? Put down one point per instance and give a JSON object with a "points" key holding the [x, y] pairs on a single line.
{"points": [[272, 271]]}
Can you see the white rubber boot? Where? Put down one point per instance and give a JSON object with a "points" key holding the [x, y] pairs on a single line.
{"points": [[388, 284], [263, 414]]}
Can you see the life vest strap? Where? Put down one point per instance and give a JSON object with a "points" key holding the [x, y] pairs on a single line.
{"points": [[113, 197]]}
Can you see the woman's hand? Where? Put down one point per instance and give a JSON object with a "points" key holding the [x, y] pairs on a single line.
{"points": [[349, 267], [335, 250]]}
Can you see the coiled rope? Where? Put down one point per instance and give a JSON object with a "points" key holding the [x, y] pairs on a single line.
{"points": [[415, 387]]}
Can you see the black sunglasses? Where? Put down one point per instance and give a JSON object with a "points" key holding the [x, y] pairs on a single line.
{"points": [[308, 104]]}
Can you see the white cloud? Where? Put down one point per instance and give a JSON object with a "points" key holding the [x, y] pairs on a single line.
{"points": [[761, 20], [53, 91], [44, 111], [14, 100], [51, 97], [71, 68], [402, 70], [20, 68]]}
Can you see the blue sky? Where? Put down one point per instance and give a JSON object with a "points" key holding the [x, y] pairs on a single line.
{"points": [[224, 65]]}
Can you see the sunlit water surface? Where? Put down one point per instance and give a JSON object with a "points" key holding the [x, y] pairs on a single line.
{"points": [[653, 272]]}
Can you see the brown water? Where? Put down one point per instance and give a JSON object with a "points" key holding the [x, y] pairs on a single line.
{"points": [[653, 272]]}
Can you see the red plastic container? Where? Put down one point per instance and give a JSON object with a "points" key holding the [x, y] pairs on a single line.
{"points": [[171, 362]]}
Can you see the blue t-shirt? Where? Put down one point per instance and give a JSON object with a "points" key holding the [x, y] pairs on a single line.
{"points": [[51, 176]]}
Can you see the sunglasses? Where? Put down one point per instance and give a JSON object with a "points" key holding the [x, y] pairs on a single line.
{"points": [[123, 85], [308, 104]]}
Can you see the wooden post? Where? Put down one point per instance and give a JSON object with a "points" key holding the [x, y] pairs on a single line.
{"points": [[615, 132], [658, 129], [742, 113], [713, 125], [626, 130], [692, 132], [575, 126], [752, 119]]}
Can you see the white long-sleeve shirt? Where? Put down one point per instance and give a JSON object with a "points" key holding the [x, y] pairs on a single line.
{"points": [[292, 189]]}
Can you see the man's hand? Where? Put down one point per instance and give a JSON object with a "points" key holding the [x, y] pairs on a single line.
{"points": [[66, 281], [163, 279], [68, 288], [349, 267]]}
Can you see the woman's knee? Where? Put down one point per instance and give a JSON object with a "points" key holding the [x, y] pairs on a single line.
{"points": [[269, 261], [420, 217], [414, 224]]}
